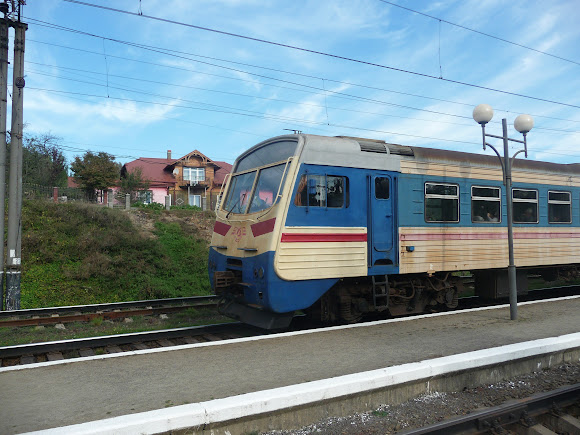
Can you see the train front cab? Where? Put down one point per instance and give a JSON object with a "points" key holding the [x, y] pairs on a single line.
{"points": [[319, 224], [246, 234]]}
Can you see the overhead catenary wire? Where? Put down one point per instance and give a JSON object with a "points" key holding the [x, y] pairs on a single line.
{"points": [[335, 56], [231, 159], [321, 123], [241, 95], [256, 115], [109, 85], [479, 32], [297, 84], [320, 90]]}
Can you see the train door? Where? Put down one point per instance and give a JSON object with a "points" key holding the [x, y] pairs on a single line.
{"points": [[381, 230]]}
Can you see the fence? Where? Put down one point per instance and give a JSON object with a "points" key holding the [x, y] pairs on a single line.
{"points": [[110, 198], [60, 194]]}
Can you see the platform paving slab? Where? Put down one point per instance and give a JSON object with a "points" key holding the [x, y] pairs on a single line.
{"points": [[71, 392]]}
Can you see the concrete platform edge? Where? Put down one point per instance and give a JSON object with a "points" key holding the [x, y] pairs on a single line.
{"points": [[249, 411]]}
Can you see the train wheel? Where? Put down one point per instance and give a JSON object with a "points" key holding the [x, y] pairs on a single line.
{"points": [[349, 311]]}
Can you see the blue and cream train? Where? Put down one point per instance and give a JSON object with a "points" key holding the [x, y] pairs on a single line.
{"points": [[343, 226]]}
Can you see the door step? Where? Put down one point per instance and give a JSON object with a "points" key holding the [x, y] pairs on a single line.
{"points": [[380, 292]]}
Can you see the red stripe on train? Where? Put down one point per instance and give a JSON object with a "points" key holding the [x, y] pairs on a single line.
{"points": [[263, 227], [221, 228], [485, 236], [320, 237]]}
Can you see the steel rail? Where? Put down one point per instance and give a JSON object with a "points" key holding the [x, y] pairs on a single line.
{"points": [[122, 339], [93, 308], [508, 413]]}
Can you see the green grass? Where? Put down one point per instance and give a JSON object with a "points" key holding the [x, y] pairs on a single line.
{"points": [[188, 273], [76, 253]]}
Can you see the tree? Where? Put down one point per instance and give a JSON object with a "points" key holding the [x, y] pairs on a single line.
{"points": [[43, 161], [95, 172], [133, 183]]}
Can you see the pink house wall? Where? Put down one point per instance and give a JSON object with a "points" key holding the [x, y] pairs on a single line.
{"points": [[158, 194]]}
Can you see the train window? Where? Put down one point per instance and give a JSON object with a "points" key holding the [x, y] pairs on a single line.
{"points": [[525, 203], [266, 188], [322, 191], [382, 188], [485, 204], [441, 202], [239, 192], [254, 191], [559, 207]]}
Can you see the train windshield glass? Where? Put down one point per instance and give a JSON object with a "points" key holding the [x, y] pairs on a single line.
{"points": [[240, 197], [266, 188], [255, 190], [240, 188]]}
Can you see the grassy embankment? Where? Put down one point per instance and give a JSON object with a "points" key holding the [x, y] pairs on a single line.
{"points": [[85, 254], [76, 254]]}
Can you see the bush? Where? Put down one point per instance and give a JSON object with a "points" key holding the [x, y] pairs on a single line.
{"points": [[186, 207], [152, 206]]}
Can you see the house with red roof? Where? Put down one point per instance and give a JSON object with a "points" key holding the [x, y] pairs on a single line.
{"points": [[193, 179]]}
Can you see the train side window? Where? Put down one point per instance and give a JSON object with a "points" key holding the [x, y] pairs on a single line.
{"points": [[485, 204], [382, 190], [525, 206], [441, 202], [322, 191], [559, 207]]}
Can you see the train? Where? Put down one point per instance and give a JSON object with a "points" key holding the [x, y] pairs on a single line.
{"points": [[342, 227]]}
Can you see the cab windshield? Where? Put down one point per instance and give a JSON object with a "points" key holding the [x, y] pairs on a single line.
{"points": [[255, 190]]}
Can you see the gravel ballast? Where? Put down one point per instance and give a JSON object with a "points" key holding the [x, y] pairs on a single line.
{"points": [[435, 407]]}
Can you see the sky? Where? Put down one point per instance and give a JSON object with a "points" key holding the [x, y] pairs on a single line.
{"points": [[220, 76]]}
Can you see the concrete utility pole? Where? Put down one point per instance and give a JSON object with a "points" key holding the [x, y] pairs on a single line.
{"points": [[14, 260], [4, 25]]}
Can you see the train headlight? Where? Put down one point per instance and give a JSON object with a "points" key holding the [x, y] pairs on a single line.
{"points": [[259, 272]]}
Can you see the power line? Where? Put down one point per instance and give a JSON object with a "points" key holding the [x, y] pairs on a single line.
{"points": [[335, 56], [321, 123], [310, 122], [136, 111], [321, 91], [235, 94], [480, 32], [334, 93], [169, 51], [109, 85]]}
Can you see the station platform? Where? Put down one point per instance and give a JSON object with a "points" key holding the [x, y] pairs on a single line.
{"points": [[195, 386]]}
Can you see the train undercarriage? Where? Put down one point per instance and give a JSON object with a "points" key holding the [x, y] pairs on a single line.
{"points": [[351, 299]]}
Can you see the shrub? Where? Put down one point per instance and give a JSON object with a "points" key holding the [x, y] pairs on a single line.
{"points": [[186, 207]]}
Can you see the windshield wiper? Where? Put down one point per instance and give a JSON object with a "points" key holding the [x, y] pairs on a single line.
{"points": [[234, 206]]}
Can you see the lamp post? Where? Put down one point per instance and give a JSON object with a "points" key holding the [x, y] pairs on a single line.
{"points": [[482, 114]]}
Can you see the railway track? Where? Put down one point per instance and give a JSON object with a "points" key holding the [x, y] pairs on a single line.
{"points": [[112, 311], [86, 347], [75, 348], [543, 413], [532, 295], [117, 310]]}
